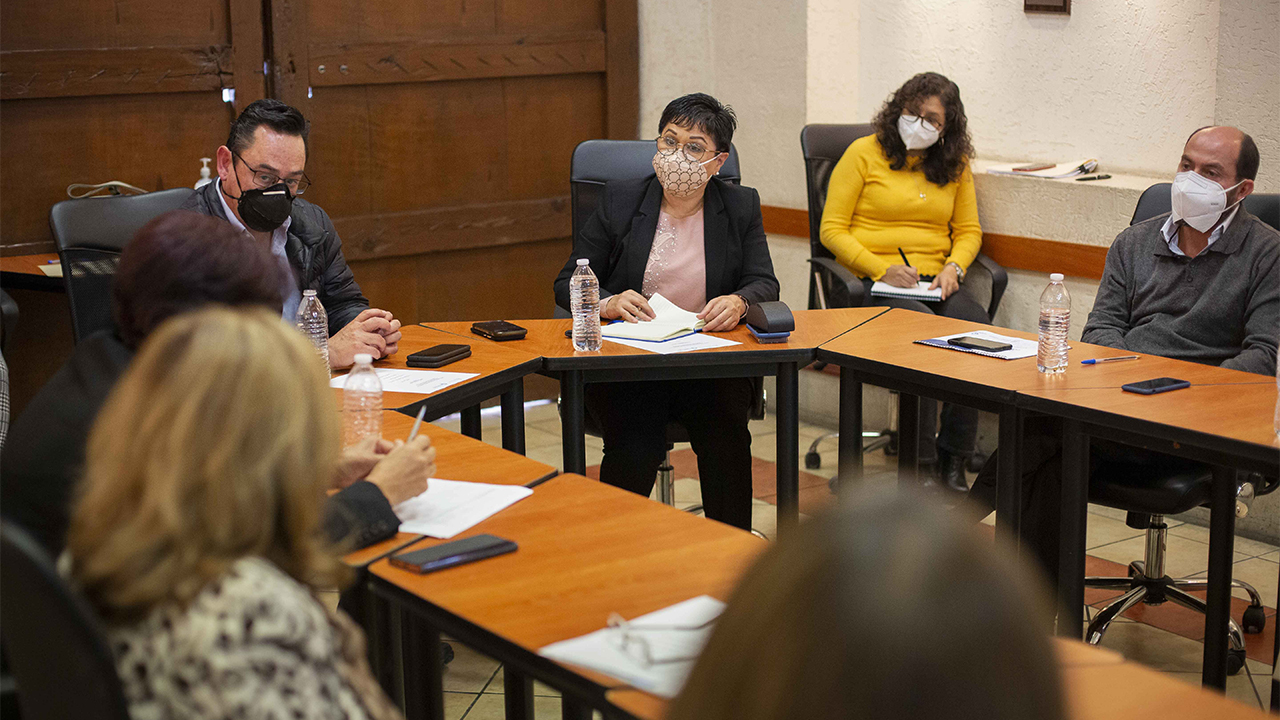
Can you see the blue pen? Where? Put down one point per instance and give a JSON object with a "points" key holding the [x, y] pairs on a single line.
{"points": [[53, 262], [1095, 361]]}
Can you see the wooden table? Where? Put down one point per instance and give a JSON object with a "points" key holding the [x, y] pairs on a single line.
{"points": [[501, 372], [1219, 420], [23, 272], [581, 558], [1098, 684], [619, 363]]}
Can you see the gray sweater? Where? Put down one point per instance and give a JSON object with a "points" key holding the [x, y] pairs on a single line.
{"points": [[1220, 308]]}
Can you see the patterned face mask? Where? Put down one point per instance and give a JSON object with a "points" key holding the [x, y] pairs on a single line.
{"points": [[679, 175]]}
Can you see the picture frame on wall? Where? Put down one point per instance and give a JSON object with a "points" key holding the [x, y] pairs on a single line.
{"points": [[1061, 7]]}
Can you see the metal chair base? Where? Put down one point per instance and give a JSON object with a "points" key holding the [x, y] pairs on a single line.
{"points": [[667, 490]]}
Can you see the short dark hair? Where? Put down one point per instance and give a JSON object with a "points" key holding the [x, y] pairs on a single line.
{"points": [[184, 260], [700, 110], [1247, 161], [284, 119]]}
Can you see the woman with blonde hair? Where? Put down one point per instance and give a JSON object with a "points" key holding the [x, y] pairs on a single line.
{"points": [[887, 609], [197, 537]]}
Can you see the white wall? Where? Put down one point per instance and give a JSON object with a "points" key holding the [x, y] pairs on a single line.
{"points": [[1248, 79]]}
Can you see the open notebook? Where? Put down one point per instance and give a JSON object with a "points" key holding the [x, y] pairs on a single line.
{"points": [[670, 321], [920, 292]]}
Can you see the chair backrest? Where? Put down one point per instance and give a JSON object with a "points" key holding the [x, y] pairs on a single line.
{"points": [[89, 234], [596, 162], [1155, 200], [56, 649], [823, 146]]}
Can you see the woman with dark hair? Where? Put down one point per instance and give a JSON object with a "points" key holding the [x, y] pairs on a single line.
{"points": [[907, 191], [888, 608], [700, 243]]}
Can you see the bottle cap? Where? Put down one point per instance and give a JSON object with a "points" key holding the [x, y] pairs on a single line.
{"points": [[363, 358], [583, 262], [308, 293], [1055, 277], [204, 170]]}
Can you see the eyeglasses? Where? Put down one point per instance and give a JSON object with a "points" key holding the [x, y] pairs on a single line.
{"points": [[693, 149], [642, 649], [264, 179]]}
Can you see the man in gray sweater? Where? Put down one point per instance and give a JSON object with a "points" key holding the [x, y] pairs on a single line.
{"points": [[1200, 284]]}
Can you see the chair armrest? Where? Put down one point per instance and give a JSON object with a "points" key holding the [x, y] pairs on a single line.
{"points": [[842, 287], [999, 281]]}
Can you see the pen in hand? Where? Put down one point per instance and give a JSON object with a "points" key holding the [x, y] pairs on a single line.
{"points": [[417, 424], [905, 261]]}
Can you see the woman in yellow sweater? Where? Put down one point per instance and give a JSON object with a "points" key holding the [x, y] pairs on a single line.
{"points": [[907, 192]]}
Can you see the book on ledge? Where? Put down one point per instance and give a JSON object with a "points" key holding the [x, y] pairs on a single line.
{"points": [[920, 292], [670, 321]]}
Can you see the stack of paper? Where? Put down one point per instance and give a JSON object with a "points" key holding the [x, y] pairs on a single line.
{"points": [[670, 321], [656, 658], [1021, 348], [423, 382], [449, 507], [1057, 172], [920, 292]]}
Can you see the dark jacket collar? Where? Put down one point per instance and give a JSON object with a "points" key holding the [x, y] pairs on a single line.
{"points": [[715, 228]]}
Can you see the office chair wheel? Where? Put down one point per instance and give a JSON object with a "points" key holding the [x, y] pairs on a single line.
{"points": [[1254, 620], [812, 460], [1235, 661]]}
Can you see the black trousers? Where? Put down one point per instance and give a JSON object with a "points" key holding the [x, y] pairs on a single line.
{"points": [[633, 418], [1041, 477], [957, 432]]}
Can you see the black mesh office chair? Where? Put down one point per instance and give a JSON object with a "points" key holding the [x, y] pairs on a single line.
{"points": [[1156, 200], [8, 321], [596, 162], [1148, 492], [832, 285], [89, 234], [53, 641]]}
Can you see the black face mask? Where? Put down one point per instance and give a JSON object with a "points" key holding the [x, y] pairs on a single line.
{"points": [[264, 210]]}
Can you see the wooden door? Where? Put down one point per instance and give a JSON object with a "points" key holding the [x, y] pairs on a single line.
{"points": [[441, 137], [131, 90]]}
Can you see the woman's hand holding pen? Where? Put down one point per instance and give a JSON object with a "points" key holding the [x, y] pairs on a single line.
{"points": [[903, 276]]}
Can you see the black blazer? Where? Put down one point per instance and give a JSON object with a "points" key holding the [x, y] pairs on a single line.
{"points": [[618, 237], [46, 449]]}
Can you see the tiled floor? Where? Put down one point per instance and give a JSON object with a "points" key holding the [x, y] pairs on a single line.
{"points": [[1165, 637]]}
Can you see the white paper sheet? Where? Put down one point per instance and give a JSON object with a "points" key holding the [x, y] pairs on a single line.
{"points": [[449, 507], [1021, 348], [1057, 172], [688, 343], [604, 650], [920, 292], [423, 382], [669, 319]]}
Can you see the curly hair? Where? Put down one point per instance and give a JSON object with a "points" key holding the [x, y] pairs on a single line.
{"points": [[945, 160]]}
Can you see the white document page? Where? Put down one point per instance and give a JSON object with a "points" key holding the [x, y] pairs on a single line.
{"points": [[449, 507], [411, 381], [1057, 172], [669, 320], [920, 292], [1021, 348], [673, 651], [688, 343]]}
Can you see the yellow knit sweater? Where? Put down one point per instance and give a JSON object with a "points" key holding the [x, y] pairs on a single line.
{"points": [[873, 210]]}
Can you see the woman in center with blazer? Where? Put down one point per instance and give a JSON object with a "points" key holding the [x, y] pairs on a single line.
{"points": [[700, 243]]}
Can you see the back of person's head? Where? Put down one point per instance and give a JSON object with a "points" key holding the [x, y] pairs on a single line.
{"points": [[272, 114], [184, 260], [216, 445], [886, 609]]}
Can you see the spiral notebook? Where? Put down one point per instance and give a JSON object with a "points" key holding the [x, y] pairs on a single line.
{"points": [[1021, 348], [920, 292]]}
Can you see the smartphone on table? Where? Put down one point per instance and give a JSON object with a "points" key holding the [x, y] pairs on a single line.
{"points": [[438, 356], [973, 343], [452, 554], [499, 330], [1154, 387]]}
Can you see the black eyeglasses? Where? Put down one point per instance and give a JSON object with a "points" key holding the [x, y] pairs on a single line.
{"points": [[264, 179]]}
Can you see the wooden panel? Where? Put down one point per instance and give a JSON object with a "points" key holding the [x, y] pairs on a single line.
{"points": [[73, 24], [289, 62], [622, 29], [427, 61], [538, 153], [388, 20], [1086, 261], [248, 51], [545, 15], [454, 228], [55, 73], [785, 221], [50, 143]]}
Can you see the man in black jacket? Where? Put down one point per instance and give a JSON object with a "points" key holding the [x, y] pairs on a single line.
{"points": [[260, 176], [180, 261]]}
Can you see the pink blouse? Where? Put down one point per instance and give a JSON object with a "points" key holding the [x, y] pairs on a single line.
{"points": [[677, 266]]}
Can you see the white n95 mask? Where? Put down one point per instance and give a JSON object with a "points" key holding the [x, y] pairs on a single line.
{"points": [[1197, 200], [917, 133]]}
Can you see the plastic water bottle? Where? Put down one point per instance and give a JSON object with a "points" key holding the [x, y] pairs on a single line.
{"points": [[584, 302], [314, 323], [361, 402], [1055, 320]]}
